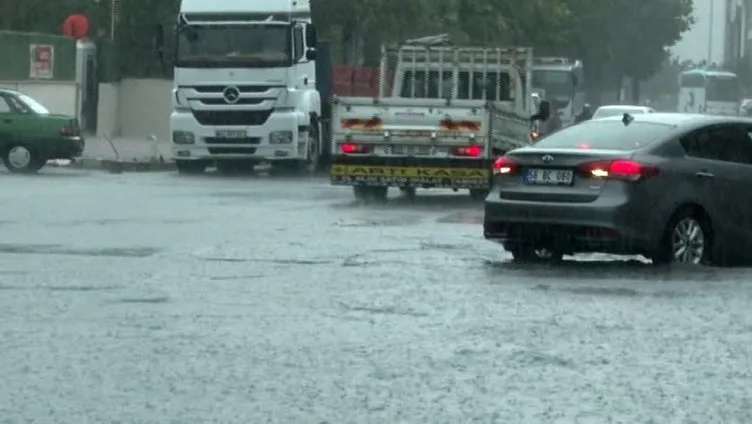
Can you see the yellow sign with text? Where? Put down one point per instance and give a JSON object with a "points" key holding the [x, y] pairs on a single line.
{"points": [[409, 172]]}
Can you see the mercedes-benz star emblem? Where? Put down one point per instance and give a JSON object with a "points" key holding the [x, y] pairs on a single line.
{"points": [[231, 94], [548, 159]]}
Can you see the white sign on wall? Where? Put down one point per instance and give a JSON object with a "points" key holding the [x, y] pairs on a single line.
{"points": [[42, 61]]}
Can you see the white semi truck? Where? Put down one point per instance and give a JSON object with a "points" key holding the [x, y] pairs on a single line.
{"points": [[245, 87], [443, 114]]}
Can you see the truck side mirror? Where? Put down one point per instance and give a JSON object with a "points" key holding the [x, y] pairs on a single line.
{"points": [[544, 111], [310, 35]]}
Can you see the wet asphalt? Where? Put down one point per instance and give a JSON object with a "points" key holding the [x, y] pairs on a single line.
{"points": [[153, 298]]}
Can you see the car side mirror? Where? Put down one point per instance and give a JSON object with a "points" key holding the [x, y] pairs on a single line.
{"points": [[310, 54]]}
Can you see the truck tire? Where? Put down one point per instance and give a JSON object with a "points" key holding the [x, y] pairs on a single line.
{"points": [[191, 167], [314, 148], [312, 162], [21, 159]]}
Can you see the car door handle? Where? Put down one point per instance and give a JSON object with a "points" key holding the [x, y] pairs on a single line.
{"points": [[704, 174], [8, 121]]}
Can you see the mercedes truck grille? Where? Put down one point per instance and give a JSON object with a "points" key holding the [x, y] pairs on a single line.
{"points": [[231, 117]]}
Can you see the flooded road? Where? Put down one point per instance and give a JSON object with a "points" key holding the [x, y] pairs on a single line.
{"points": [[150, 298]]}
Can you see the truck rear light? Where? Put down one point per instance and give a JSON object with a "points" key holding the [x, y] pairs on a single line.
{"points": [[504, 165], [361, 123], [355, 148], [625, 170], [449, 125], [470, 151]]}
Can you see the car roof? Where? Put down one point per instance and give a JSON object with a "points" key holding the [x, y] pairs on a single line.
{"points": [[9, 91], [623, 107], [681, 119], [708, 72]]}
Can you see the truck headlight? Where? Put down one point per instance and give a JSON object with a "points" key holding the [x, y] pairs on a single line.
{"points": [[183, 137], [280, 137]]}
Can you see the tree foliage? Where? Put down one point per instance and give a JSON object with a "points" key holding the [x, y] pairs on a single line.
{"points": [[615, 38]]}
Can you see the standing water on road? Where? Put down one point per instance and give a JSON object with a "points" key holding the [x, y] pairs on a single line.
{"points": [[245, 300]]}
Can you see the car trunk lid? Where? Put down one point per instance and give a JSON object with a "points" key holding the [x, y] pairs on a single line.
{"points": [[558, 175]]}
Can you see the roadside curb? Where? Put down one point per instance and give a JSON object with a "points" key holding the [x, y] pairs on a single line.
{"points": [[113, 166]]}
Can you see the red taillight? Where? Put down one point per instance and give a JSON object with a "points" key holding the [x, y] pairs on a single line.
{"points": [[354, 148], [626, 170], [471, 151], [66, 131], [504, 165], [361, 123]]}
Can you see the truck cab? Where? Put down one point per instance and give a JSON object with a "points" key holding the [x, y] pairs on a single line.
{"points": [[563, 82], [245, 85]]}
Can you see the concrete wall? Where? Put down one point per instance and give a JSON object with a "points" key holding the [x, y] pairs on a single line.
{"points": [[135, 109], [58, 97]]}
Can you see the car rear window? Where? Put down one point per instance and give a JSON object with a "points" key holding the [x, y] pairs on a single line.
{"points": [[607, 135]]}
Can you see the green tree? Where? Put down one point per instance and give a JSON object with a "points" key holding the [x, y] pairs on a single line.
{"points": [[625, 38], [652, 26]]}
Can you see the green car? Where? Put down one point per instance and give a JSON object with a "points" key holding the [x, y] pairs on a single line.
{"points": [[30, 135]]}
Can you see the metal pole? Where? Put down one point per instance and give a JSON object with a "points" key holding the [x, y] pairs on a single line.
{"points": [[710, 33]]}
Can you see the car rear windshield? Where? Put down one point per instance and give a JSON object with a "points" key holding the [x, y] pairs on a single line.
{"points": [[607, 135]]}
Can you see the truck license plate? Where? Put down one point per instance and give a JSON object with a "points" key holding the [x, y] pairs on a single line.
{"points": [[231, 133], [411, 150]]}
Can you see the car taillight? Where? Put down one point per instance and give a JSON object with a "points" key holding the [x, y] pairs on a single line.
{"points": [[66, 131], [626, 170], [471, 151], [353, 148], [504, 165]]}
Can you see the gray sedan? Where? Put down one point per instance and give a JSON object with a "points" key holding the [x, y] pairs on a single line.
{"points": [[671, 187]]}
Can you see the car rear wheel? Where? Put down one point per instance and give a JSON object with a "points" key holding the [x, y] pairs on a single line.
{"points": [[688, 240], [22, 160], [533, 253]]}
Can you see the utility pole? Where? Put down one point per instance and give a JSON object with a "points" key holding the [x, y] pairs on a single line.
{"points": [[710, 33]]}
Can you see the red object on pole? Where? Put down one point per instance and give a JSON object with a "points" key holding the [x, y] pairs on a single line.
{"points": [[76, 26]]}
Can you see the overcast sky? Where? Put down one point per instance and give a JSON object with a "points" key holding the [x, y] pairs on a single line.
{"points": [[694, 45]]}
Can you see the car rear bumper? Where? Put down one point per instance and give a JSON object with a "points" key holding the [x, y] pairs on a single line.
{"points": [[65, 148], [605, 225], [410, 172]]}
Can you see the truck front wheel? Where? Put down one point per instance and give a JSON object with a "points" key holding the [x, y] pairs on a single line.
{"points": [[313, 148]]}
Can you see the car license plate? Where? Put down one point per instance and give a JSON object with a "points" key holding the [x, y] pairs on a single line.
{"points": [[549, 176], [411, 150], [231, 133]]}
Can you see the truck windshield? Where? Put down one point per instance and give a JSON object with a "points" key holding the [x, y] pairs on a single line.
{"points": [[556, 84], [234, 46]]}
